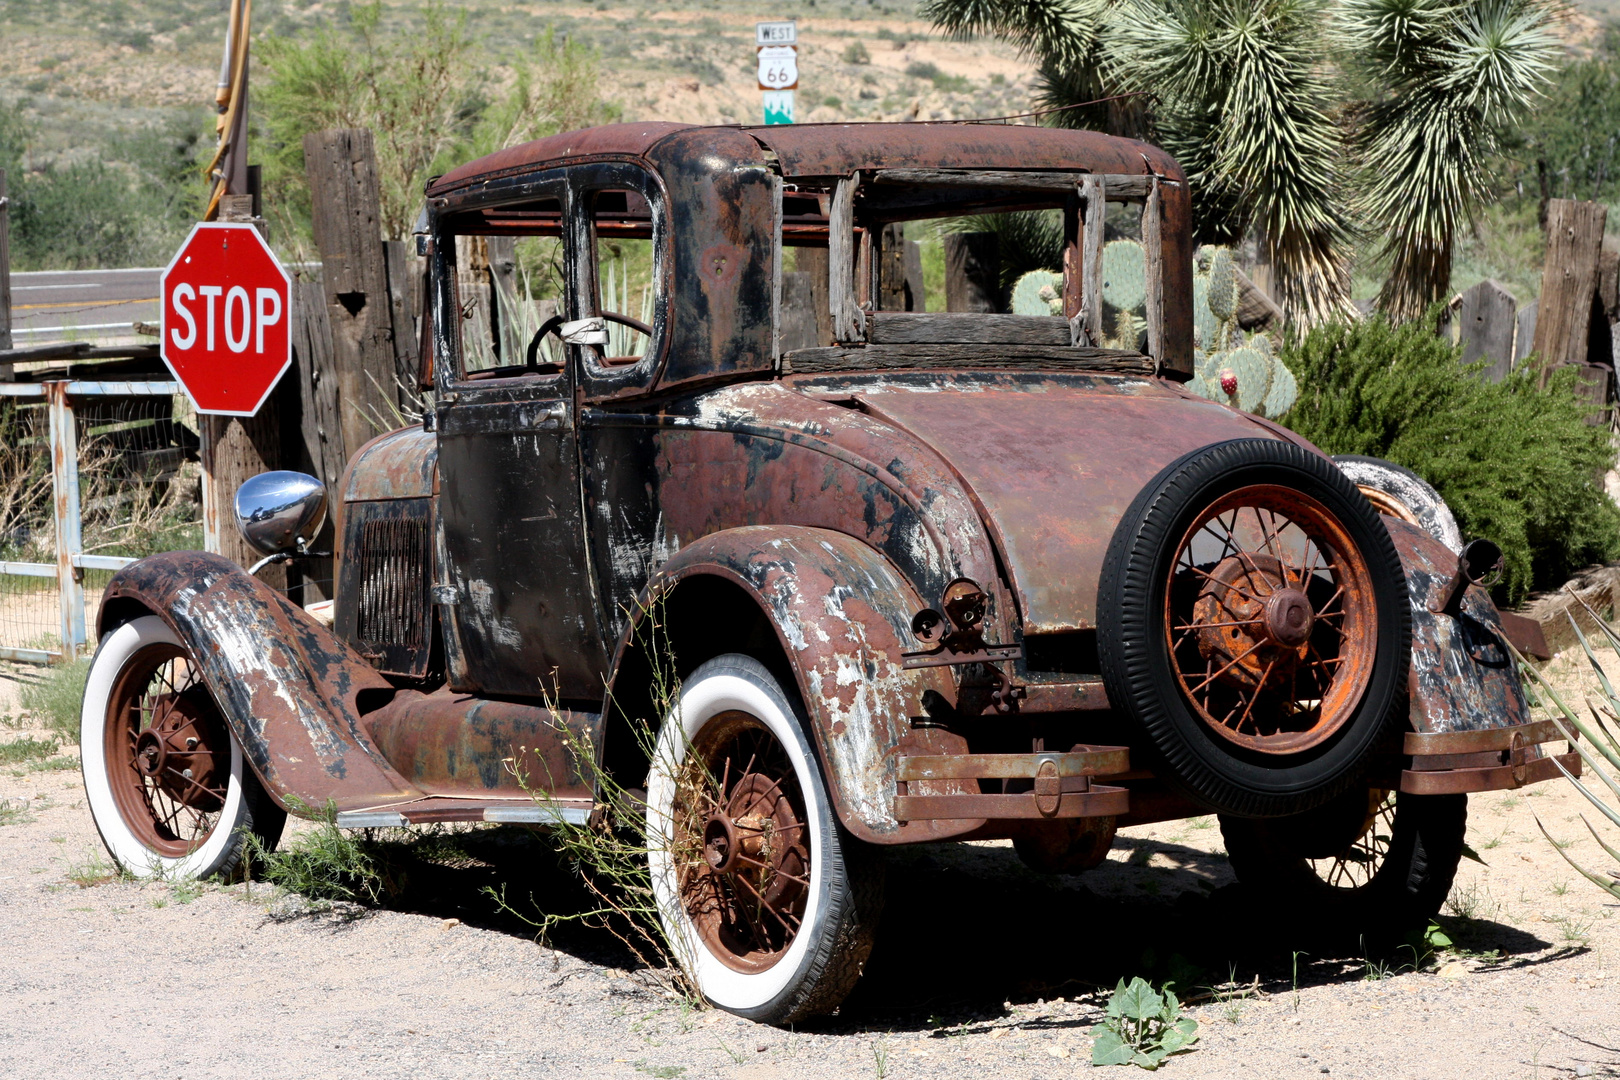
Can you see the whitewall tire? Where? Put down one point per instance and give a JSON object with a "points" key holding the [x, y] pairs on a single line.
{"points": [[767, 903], [166, 781]]}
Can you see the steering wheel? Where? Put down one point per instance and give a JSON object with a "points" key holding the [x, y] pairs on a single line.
{"points": [[553, 324]]}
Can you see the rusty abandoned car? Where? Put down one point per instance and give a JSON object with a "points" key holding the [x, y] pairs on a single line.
{"points": [[922, 576]]}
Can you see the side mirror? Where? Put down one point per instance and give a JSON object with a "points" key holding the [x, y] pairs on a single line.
{"points": [[280, 512]]}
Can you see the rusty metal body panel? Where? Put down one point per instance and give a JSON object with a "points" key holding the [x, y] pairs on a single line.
{"points": [[400, 464], [1463, 676], [293, 694], [841, 613]]}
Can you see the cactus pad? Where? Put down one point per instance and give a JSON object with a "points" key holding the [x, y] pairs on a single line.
{"points": [[1222, 285], [1124, 274], [1026, 293], [1253, 373], [1283, 393]]}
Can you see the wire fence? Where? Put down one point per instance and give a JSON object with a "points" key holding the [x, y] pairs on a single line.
{"points": [[93, 475]]}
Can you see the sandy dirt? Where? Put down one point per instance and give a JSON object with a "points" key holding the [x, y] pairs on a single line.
{"points": [[982, 969]]}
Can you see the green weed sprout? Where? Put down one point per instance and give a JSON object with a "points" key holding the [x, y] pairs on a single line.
{"points": [[1142, 1027]]}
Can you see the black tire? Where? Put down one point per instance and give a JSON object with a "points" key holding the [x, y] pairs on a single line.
{"points": [[1386, 882], [1149, 570], [749, 734], [1394, 489]]}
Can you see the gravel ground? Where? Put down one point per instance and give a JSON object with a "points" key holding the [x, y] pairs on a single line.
{"points": [[982, 969]]}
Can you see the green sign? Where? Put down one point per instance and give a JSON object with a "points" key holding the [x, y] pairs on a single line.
{"points": [[778, 106]]}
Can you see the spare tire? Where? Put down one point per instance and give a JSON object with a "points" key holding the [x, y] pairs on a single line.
{"points": [[1254, 623]]}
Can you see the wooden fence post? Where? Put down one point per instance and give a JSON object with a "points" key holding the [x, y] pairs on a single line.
{"points": [[342, 169], [1569, 281], [972, 272], [5, 276], [1485, 321]]}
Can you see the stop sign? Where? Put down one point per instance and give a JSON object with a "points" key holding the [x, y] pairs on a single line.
{"points": [[226, 309]]}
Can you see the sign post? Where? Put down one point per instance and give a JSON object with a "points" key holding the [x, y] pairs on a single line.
{"points": [[778, 49]]}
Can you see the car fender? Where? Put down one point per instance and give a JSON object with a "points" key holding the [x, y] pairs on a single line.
{"points": [[292, 693], [1463, 676], [842, 616]]}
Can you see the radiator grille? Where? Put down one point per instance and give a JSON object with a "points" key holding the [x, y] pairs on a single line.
{"points": [[393, 566]]}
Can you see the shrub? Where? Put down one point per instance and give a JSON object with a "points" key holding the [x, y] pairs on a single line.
{"points": [[55, 700], [1517, 463], [855, 53]]}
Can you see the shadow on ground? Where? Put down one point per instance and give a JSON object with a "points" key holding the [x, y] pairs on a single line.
{"points": [[968, 929]]}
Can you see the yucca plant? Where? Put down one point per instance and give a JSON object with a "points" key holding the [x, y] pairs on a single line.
{"points": [[1444, 78], [1600, 753], [1294, 118]]}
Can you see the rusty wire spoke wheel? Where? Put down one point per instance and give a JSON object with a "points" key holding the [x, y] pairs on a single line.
{"points": [[165, 778], [768, 906], [1253, 622], [1269, 617], [1363, 870]]}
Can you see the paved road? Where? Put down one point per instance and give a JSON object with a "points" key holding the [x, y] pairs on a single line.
{"points": [[99, 303]]}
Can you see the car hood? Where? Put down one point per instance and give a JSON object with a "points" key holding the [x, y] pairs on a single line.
{"points": [[1052, 465]]}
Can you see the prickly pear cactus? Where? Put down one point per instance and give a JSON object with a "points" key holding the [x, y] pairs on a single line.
{"points": [[1124, 275], [1039, 292], [1237, 370]]}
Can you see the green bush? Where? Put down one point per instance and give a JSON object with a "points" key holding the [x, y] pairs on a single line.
{"points": [[1516, 463], [55, 699]]}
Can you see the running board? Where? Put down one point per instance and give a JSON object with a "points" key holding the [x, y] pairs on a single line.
{"points": [[438, 809]]}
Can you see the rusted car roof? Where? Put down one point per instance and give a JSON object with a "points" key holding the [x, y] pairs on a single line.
{"points": [[838, 149]]}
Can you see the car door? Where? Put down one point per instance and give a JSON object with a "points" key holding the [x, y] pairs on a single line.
{"points": [[518, 593]]}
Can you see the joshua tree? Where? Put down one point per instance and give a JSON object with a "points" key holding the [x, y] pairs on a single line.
{"points": [[1246, 95]]}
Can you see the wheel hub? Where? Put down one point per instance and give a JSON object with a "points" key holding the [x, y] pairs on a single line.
{"points": [[150, 753], [1288, 617]]}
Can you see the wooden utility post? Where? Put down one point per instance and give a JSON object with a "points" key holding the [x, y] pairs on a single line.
{"points": [[342, 168], [1569, 281], [5, 276]]}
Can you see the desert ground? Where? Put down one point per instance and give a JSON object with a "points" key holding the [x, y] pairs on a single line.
{"points": [[982, 968]]}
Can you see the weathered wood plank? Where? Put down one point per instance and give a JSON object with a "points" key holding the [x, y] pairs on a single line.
{"points": [[320, 407], [1119, 186], [1255, 310], [916, 291], [1153, 250], [1609, 277], [402, 297], [849, 322], [796, 319], [1569, 279], [995, 357], [342, 169], [1073, 231], [1485, 321], [953, 328], [972, 272], [1086, 327], [891, 270], [1524, 332], [813, 261]]}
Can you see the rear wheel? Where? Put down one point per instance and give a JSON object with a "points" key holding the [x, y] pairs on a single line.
{"points": [[768, 904], [168, 787], [1369, 866]]}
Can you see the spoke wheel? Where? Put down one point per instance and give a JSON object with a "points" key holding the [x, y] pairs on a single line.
{"points": [[741, 842], [768, 905], [1367, 868], [1269, 618], [167, 783], [167, 751]]}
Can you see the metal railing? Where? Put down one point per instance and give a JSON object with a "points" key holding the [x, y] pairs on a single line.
{"points": [[134, 452]]}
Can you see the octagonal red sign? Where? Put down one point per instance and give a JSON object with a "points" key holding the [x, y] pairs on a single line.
{"points": [[225, 321]]}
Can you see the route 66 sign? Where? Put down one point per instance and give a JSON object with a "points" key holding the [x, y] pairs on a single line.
{"points": [[778, 67]]}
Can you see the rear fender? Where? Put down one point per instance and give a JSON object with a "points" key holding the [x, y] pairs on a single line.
{"points": [[1463, 677], [292, 693], [842, 614]]}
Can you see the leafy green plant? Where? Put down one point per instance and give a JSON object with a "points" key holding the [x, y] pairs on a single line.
{"points": [[326, 863], [1141, 1026], [26, 749], [1516, 462], [56, 698]]}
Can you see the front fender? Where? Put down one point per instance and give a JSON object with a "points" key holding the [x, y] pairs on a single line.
{"points": [[842, 615], [1463, 677], [291, 692]]}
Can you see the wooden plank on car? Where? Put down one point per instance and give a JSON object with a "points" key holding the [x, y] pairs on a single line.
{"points": [[963, 328], [994, 357]]}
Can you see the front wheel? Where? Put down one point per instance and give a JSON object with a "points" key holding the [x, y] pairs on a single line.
{"points": [[768, 905], [167, 785], [1370, 866]]}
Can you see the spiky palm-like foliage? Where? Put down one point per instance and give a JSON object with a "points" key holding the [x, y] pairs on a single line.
{"points": [[1244, 107], [1451, 75]]}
